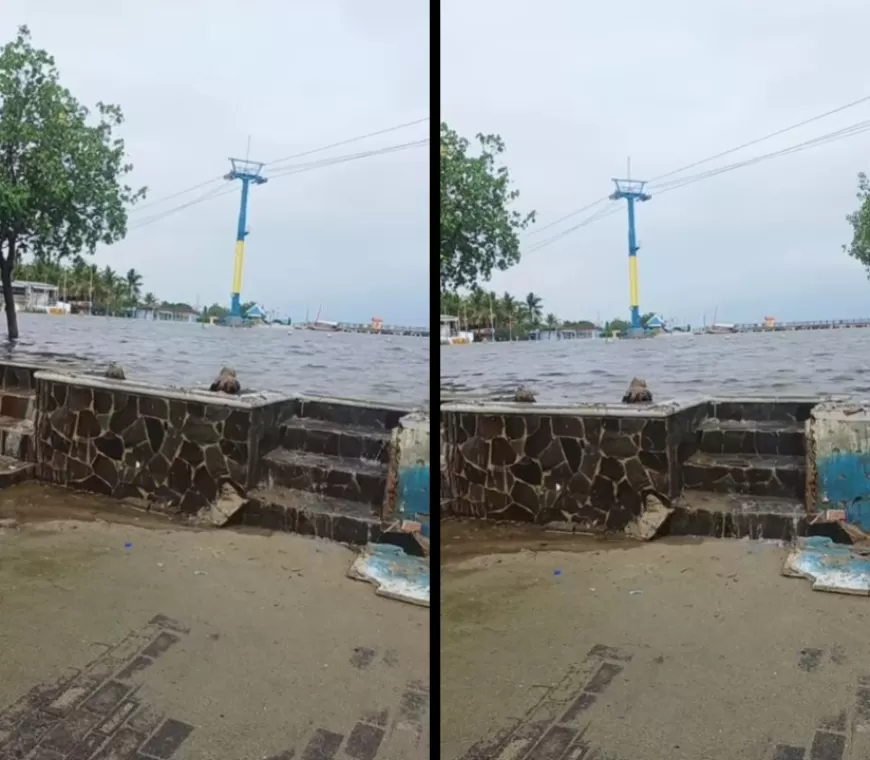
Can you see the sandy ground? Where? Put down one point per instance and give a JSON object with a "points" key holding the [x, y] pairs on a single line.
{"points": [[697, 650], [233, 645]]}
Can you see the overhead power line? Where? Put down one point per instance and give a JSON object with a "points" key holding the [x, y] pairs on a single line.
{"points": [[757, 140], [228, 188], [349, 141], [597, 216], [567, 216], [220, 177], [835, 136], [720, 154]]}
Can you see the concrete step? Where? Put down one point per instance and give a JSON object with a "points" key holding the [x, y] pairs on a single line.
{"points": [[351, 479], [333, 439], [752, 437], [311, 514], [16, 439], [17, 403], [716, 515], [14, 471], [344, 413], [782, 411], [760, 475]]}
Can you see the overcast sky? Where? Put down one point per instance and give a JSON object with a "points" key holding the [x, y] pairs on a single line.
{"points": [[574, 88], [195, 78]]}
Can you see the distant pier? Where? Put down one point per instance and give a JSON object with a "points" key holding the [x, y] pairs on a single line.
{"points": [[834, 324], [367, 327]]}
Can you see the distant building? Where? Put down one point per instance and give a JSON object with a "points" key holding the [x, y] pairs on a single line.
{"points": [[162, 314], [655, 323], [32, 296], [255, 312]]}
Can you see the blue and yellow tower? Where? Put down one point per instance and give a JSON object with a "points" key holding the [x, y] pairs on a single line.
{"points": [[249, 173], [632, 190]]}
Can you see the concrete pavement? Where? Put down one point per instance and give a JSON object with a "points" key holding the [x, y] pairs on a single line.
{"points": [[137, 638], [697, 650]]}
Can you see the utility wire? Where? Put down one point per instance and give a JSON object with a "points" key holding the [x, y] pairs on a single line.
{"points": [[567, 216], [757, 140], [206, 183], [222, 190], [840, 134], [349, 141], [854, 129], [721, 154], [597, 216], [229, 187]]}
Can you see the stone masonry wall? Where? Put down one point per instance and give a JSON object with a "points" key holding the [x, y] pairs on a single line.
{"points": [[130, 444], [586, 470]]}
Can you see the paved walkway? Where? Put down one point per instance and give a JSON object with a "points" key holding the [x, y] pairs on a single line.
{"points": [[148, 640], [659, 651]]}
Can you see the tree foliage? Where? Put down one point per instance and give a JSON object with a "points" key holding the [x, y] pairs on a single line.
{"points": [[62, 168], [859, 248], [479, 229]]}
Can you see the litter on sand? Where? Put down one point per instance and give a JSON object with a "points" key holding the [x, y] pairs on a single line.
{"points": [[396, 574], [831, 567]]}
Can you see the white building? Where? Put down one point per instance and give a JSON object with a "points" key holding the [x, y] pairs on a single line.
{"points": [[32, 296]]}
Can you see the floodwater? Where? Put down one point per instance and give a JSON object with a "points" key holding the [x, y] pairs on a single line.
{"points": [[382, 368], [675, 367]]}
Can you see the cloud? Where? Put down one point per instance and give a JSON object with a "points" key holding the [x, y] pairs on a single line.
{"points": [[576, 88], [196, 79]]}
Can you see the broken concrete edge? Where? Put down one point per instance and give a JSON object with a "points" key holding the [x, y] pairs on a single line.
{"points": [[651, 520]]}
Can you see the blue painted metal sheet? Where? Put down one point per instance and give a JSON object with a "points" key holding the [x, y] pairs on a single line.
{"points": [[830, 566], [396, 574]]}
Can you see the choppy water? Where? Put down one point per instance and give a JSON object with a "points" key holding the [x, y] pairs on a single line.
{"points": [[819, 362], [389, 369]]}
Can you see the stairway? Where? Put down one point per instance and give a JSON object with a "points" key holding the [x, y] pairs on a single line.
{"points": [[328, 478], [17, 441], [748, 476]]}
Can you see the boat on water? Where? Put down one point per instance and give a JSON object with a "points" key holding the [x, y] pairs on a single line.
{"points": [[320, 325], [721, 328], [451, 334]]}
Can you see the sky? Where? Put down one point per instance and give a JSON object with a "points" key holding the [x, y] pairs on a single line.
{"points": [[196, 79], [574, 89]]}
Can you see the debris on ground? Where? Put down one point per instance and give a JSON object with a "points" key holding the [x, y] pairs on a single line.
{"points": [[229, 502], [415, 530], [831, 567], [651, 519], [396, 574]]}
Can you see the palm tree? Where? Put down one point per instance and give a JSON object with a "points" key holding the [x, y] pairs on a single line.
{"points": [[552, 324], [478, 309], [509, 310], [133, 282], [150, 301], [534, 309]]}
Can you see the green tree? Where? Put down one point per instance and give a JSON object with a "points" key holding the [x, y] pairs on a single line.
{"points": [[150, 301], [479, 229], [552, 323], [61, 173], [616, 325], [509, 309], [215, 310], [859, 220], [133, 284], [534, 309]]}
